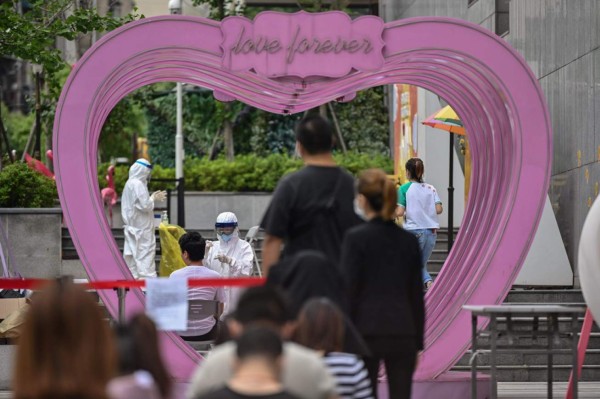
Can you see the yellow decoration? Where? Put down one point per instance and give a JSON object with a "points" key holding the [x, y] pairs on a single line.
{"points": [[587, 175]]}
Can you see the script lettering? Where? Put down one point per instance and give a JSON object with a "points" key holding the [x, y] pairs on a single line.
{"points": [[302, 44]]}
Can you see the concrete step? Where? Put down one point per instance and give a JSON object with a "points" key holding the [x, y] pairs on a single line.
{"points": [[536, 373]]}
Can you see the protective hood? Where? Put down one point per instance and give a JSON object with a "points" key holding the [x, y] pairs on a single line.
{"points": [[228, 219], [140, 170]]}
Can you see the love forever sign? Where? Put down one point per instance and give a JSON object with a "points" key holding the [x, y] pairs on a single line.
{"points": [[486, 81], [302, 44]]}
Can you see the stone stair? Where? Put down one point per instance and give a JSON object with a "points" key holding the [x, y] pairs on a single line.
{"points": [[529, 367]]}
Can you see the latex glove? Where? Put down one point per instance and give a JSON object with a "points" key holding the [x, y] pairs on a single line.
{"points": [[209, 245], [158, 196], [224, 259]]}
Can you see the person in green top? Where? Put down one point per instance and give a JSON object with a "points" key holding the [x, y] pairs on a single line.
{"points": [[419, 204]]}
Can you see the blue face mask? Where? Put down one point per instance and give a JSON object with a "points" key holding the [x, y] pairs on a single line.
{"points": [[226, 237]]}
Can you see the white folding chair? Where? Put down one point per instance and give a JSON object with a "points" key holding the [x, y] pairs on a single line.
{"points": [[201, 309], [251, 237]]}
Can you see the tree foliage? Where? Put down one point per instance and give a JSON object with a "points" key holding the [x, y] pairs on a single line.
{"points": [[28, 31], [246, 173], [364, 122], [22, 187]]}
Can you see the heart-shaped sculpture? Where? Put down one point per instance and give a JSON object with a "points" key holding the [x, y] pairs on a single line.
{"points": [[486, 81]]}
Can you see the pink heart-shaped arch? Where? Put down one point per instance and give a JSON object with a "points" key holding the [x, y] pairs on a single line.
{"points": [[482, 77]]}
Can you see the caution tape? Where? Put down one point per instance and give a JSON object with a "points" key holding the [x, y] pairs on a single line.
{"points": [[33, 284]]}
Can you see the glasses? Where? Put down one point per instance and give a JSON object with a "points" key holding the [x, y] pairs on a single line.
{"points": [[225, 230]]}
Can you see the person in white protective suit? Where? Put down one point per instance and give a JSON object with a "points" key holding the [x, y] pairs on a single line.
{"points": [[137, 210], [229, 255]]}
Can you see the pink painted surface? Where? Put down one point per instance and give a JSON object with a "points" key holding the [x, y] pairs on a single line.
{"points": [[302, 44], [486, 81]]}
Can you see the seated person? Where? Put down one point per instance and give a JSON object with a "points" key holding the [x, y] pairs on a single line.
{"points": [[192, 251], [257, 369], [304, 374]]}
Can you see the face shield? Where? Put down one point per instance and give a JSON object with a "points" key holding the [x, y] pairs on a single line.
{"points": [[226, 226]]}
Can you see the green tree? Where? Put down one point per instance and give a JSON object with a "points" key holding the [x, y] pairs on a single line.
{"points": [[30, 34], [364, 122]]}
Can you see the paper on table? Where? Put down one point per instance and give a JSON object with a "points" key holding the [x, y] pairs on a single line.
{"points": [[167, 303]]}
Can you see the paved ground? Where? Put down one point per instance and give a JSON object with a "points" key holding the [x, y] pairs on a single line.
{"points": [[513, 390]]}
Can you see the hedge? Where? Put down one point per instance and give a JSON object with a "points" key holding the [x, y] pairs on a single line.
{"points": [[22, 187], [248, 173]]}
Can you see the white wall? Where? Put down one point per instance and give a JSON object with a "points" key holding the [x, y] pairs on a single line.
{"points": [[433, 149]]}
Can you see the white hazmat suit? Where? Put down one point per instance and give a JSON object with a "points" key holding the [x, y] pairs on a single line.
{"points": [[230, 256], [137, 210]]}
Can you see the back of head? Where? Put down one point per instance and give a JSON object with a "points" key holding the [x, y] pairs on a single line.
{"points": [[379, 191], [320, 326], [66, 349], [415, 169], [138, 347], [315, 134], [262, 305], [259, 342], [194, 244]]}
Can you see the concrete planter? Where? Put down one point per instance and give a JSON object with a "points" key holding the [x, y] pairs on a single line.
{"points": [[34, 237]]}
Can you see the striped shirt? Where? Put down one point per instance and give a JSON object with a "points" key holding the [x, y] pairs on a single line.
{"points": [[350, 374]]}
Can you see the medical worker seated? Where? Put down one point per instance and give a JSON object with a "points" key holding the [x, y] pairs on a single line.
{"points": [[229, 256]]}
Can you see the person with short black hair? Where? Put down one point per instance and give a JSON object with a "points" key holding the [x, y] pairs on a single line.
{"points": [[313, 207], [303, 373], [257, 369], [192, 251]]}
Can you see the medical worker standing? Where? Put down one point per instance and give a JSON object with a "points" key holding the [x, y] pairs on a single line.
{"points": [[137, 210], [229, 255]]}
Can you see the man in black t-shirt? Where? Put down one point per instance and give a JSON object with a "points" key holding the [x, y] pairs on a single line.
{"points": [[313, 207]]}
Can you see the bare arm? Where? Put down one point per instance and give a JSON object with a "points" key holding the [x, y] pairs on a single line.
{"points": [[400, 211], [271, 249], [438, 208]]}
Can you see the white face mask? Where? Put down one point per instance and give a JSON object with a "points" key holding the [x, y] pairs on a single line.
{"points": [[358, 210]]}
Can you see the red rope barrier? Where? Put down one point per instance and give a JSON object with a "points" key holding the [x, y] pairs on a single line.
{"points": [[32, 284]]}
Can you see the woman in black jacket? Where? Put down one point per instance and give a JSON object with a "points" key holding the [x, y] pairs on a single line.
{"points": [[382, 266]]}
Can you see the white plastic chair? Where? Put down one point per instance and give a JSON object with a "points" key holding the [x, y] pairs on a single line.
{"points": [[201, 309]]}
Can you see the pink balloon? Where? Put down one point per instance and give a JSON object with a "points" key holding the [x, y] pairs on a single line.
{"points": [[485, 80]]}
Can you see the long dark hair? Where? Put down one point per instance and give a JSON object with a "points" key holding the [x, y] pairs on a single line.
{"points": [[137, 344], [415, 169], [320, 326]]}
